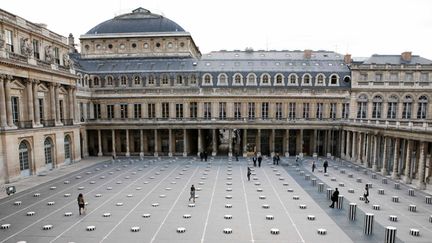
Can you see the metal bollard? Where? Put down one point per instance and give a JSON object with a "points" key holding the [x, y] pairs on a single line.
{"points": [[352, 211], [390, 234], [368, 223]]}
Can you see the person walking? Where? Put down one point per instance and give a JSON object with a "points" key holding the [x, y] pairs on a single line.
{"points": [[334, 197], [81, 203], [248, 173], [313, 166], [277, 159], [325, 165], [259, 161], [205, 156], [366, 194], [274, 159], [254, 159], [192, 193]]}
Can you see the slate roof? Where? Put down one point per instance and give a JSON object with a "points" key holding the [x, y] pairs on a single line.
{"points": [[396, 59]]}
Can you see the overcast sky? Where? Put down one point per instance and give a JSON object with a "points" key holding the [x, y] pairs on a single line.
{"points": [[359, 27]]}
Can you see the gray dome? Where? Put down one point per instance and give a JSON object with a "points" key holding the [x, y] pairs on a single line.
{"points": [[139, 21]]}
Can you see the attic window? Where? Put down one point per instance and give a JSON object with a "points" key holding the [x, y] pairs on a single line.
{"points": [[134, 45], [158, 45], [277, 63], [182, 44], [207, 64]]}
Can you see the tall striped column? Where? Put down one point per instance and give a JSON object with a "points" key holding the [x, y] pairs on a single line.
{"points": [[339, 203], [352, 211], [390, 234], [368, 223], [320, 187], [329, 193]]}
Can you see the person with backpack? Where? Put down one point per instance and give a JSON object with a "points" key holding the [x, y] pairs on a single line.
{"points": [[81, 203], [334, 197]]}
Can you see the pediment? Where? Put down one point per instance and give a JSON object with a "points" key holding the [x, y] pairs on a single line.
{"points": [[16, 84]]}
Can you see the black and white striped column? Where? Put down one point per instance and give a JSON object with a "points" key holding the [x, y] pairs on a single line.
{"points": [[368, 223], [320, 187], [390, 234], [339, 203], [428, 200], [411, 192], [352, 211], [329, 193], [314, 182]]}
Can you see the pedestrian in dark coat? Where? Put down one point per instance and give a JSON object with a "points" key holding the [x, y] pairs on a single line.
{"points": [[254, 159], [81, 203], [334, 197], [277, 159], [274, 159], [205, 156], [248, 173], [192, 193], [259, 161], [366, 194], [325, 165], [313, 166]]}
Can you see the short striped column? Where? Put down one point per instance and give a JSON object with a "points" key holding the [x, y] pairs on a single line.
{"points": [[307, 177], [390, 234], [369, 185], [350, 175], [430, 219], [395, 199], [365, 172], [329, 193], [313, 182], [393, 218], [414, 232], [381, 191], [384, 180], [368, 223], [412, 208], [342, 171], [352, 211], [397, 186], [374, 176], [339, 203], [359, 180], [302, 173], [320, 187], [411, 192], [428, 199]]}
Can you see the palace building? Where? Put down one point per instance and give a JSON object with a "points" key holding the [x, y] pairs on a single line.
{"points": [[141, 87]]}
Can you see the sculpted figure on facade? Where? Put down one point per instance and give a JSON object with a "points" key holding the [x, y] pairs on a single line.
{"points": [[2, 41], [49, 56], [67, 61], [26, 47]]}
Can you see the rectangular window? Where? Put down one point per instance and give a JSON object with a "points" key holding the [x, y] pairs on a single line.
{"points": [[123, 111], [82, 111], [237, 110], [392, 110], [207, 110], [165, 110], [264, 110], [110, 111], [193, 110], [278, 111], [36, 53], [376, 110], [319, 110], [378, 77], [222, 110], [424, 77], [306, 110], [292, 110], [137, 111], [394, 77], [407, 110], [179, 111], [345, 110], [409, 77], [9, 41], [251, 111], [62, 110], [96, 111], [41, 109], [333, 110], [363, 77], [421, 112], [151, 110], [57, 55], [15, 110], [362, 110]]}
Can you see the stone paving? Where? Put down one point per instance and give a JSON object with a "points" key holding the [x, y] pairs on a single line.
{"points": [[131, 200]]}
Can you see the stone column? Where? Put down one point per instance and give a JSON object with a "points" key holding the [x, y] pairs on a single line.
{"points": [[200, 148], [99, 143], [287, 143], [342, 144], [214, 142], [30, 101], [36, 103], [185, 143], [9, 102], [374, 153], [245, 142], [328, 142], [348, 145], [359, 147], [71, 103], [315, 142], [170, 143], [77, 115], [141, 143], [57, 104], [52, 102], [113, 143], [367, 146], [408, 162], [230, 150], [396, 159], [127, 143], [354, 144], [421, 169], [258, 142], [300, 142], [384, 157], [272, 142], [156, 143], [3, 118]]}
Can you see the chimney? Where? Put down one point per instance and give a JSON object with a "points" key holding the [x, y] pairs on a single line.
{"points": [[307, 54], [406, 56], [347, 59], [71, 43]]}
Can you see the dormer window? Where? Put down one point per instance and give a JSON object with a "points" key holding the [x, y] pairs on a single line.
{"points": [[320, 80], [151, 80], [96, 81], [334, 79], [279, 79], [207, 79], [306, 79], [238, 79], [165, 79], [109, 81], [293, 79], [179, 80], [123, 80], [137, 80]]}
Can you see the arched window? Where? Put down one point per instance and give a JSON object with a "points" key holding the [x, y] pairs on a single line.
{"points": [[377, 107], [279, 79], [109, 81], [151, 80], [392, 107], [179, 80], [238, 79], [137, 80], [265, 79], [251, 79], [293, 79], [422, 107], [123, 80], [407, 107], [306, 79], [362, 106], [222, 79], [165, 79], [193, 79], [24, 157], [67, 148], [320, 80], [48, 148], [334, 79], [207, 79], [96, 81]]}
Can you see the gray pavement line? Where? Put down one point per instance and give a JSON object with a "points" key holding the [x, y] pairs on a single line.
{"points": [[72, 174], [210, 206], [106, 201], [115, 178], [55, 194], [388, 205], [247, 204], [283, 205], [172, 207]]}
